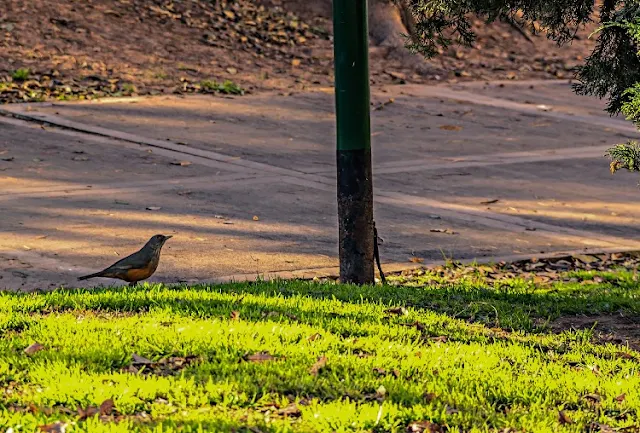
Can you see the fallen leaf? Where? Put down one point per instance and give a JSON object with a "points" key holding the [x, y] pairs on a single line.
{"points": [[400, 311], [314, 337], [235, 315], [35, 347], [260, 357], [56, 427], [429, 396], [153, 208], [415, 259], [447, 231], [182, 163], [586, 258], [384, 104], [593, 398], [256, 218], [295, 62], [440, 339], [603, 428], [139, 360], [451, 127], [397, 75], [620, 398], [87, 413], [291, 410], [106, 407], [380, 371], [451, 410], [495, 200], [419, 326], [319, 365], [563, 418], [424, 427], [232, 71]]}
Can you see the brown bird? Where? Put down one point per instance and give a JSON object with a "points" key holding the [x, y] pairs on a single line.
{"points": [[136, 267]]}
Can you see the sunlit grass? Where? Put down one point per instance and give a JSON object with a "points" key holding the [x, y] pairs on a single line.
{"points": [[464, 356]]}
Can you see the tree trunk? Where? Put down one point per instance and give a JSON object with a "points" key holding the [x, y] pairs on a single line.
{"points": [[390, 23], [389, 20]]}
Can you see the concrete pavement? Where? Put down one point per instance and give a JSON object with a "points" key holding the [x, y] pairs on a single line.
{"points": [[246, 185]]}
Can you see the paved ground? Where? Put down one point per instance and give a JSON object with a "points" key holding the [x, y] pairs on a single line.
{"points": [[85, 184]]}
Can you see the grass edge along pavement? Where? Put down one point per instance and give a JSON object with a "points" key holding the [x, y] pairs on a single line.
{"points": [[303, 356]]}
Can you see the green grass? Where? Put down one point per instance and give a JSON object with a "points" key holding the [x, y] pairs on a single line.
{"points": [[20, 74], [228, 87], [443, 361]]}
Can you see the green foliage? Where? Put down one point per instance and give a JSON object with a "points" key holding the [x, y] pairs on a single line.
{"points": [[441, 22], [443, 361], [228, 87], [613, 69], [625, 155], [20, 74]]}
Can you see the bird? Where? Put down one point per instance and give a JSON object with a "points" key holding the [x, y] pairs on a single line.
{"points": [[136, 267]]}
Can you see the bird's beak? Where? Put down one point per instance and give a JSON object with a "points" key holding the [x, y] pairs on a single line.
{"points": [[167, 237]]}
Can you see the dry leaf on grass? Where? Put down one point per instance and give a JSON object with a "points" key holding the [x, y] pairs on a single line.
{"points": [[35, 347], [399, 311], [56, 427], [429, 396], [260, 357], [424, 427], [140, 360], [593, 398], [87, 413], [106, 407], [620, 398], [235, 315], [319, 365], [563, 418], [451, 410], [291, 410], [314, 337]]}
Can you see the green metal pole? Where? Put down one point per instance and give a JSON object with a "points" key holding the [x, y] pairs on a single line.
{"points": [[355, 189]]}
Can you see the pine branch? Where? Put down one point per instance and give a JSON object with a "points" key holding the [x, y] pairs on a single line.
{"points": [[625, 155]]}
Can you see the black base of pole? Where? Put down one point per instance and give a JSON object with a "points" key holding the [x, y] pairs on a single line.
{"points": [[355, 216]]}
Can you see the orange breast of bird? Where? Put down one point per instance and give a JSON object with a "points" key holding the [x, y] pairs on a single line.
{"points": [[134, 275]]}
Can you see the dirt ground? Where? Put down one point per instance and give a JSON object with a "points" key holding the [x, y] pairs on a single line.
{"points": [[104, 47], [615, 329]]}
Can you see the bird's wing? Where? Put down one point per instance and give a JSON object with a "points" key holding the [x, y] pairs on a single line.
{"points": [[135, 261]]}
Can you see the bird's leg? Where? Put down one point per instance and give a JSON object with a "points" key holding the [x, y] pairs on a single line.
{"points": [[133, 284]]}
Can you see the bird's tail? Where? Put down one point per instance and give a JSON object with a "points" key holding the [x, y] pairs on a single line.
{"points": [[86, 277]]}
